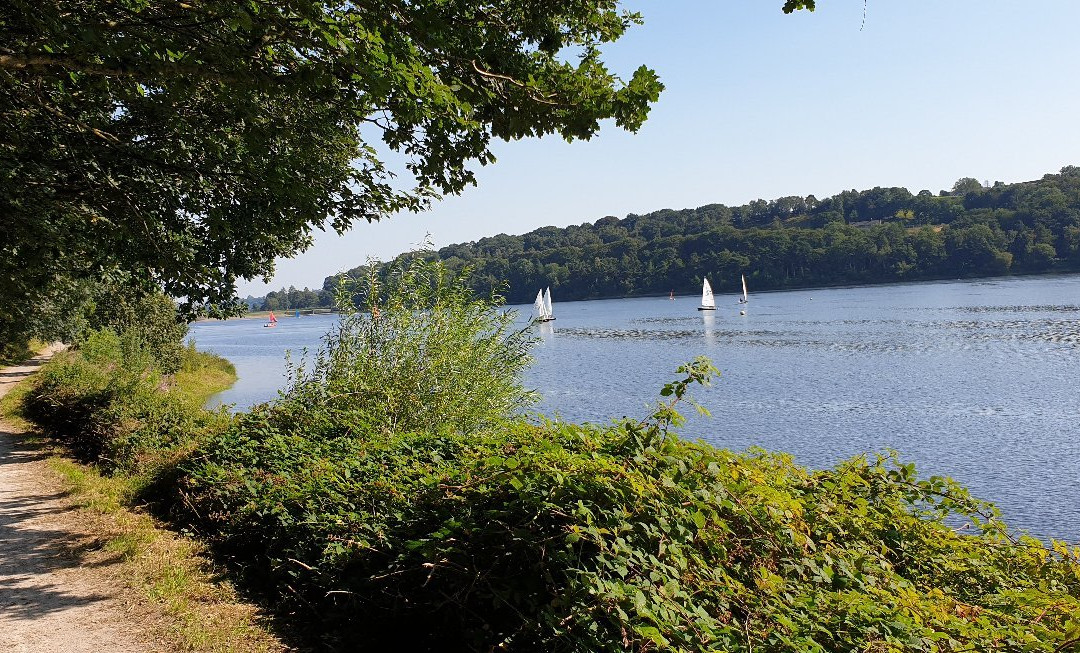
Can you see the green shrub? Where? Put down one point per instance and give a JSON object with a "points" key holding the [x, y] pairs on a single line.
{"points": [[108, 402], [424, 354], [149, 324], [563, 537], [73, 310], [67, 396]]}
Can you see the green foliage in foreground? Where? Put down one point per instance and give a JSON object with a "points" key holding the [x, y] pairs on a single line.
{"points": [[393, 499], [109, 401], [563, 537]]}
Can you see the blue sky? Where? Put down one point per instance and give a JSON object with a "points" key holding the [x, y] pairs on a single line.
{"points": [[763, 105]]}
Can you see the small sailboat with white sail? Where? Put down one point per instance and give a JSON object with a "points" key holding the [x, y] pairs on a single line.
{"points": [[745, 299], [542, 306], [708, 302]]}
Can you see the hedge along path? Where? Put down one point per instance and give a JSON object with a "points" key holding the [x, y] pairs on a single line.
{"points": [[49, 600]]}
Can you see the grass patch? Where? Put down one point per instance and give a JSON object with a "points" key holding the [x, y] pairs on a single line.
{"points": [[11, 406], [203, 375], [11, 403], [90, 490], [192, 608]]}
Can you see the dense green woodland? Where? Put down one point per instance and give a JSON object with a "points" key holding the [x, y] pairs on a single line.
{"points": [[870, 236], [290, 298]]}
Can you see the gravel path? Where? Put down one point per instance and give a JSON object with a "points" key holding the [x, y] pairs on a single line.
{"points": [[51, 598]]}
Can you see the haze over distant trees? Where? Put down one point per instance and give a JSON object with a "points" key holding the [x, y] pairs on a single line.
{"points": [[869, 236]]}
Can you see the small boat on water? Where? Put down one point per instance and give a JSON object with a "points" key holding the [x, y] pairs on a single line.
{"points": [[542, 306], [708, 302], [672, 295], [271, 320], [745, 299]]}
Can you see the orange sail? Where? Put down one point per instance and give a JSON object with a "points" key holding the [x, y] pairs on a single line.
{"points": [[272, 318]]}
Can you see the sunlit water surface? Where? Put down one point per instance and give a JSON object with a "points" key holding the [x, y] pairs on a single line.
{"points": [[972, 379]]}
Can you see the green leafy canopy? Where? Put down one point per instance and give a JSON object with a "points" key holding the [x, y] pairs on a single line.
{"points": [[186, 144]]}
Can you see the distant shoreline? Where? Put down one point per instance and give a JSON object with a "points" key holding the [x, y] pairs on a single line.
{"points": [[867, 284], [291, 313], [262, 315]]}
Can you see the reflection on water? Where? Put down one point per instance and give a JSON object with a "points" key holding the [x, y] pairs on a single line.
{"points": [[975, 380], [708, 325]]}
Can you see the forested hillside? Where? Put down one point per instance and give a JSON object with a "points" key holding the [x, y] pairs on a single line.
{"points": [[870, 236]]}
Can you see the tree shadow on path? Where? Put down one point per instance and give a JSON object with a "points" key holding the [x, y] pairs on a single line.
{"points": [[36, 547]]}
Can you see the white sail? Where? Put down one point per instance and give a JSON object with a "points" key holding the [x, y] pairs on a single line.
{"points": [[745, 299], [538, 305], [707, 300], [548, 313]]}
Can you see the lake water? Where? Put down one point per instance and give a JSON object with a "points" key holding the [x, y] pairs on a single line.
{"points": [[976, 380]]}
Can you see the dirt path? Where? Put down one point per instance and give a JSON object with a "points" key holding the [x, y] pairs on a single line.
{"points": [[50, 599]]}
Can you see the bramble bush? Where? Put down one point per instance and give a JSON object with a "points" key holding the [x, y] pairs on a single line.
{"points": [[383, 529], [563, 537]]}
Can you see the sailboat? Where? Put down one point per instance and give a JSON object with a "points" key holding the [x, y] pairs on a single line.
{"points": [[744, 300], [708, 302], [672, 295], [271, 320], [542, 305]]}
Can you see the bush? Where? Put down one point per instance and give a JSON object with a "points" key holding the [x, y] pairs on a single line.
{"points": [[108, 402], [564, 537], [74, 309], [424, 354], [149, 324]]}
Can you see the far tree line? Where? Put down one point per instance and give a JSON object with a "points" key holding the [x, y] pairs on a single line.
{"points": [[871, 236], [289, 299]]}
